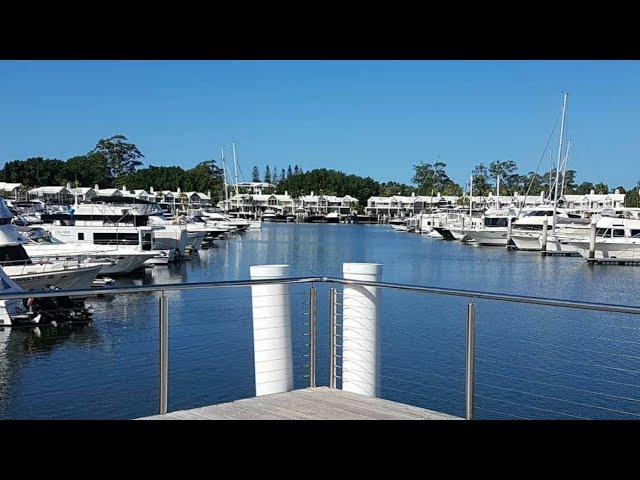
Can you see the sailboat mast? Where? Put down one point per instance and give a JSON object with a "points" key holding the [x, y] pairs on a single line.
{"points": [[235, 172], [498, 192], [224, 177], [560, 145], [470, 197], [564, 167]]}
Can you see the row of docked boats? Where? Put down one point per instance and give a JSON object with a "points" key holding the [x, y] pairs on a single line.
{"points": [[605, 234], [88, 243], [609, 235]]}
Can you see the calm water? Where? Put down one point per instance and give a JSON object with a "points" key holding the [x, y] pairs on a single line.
{"points": [[532, 362]]}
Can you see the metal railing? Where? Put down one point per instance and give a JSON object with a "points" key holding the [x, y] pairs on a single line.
{"points": [[334, 332]]}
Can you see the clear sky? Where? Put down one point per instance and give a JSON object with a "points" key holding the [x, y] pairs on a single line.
{"points": [[369, 118]]}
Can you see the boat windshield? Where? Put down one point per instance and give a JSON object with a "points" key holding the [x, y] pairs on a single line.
{"points": [[41, 237], [496, 222]]}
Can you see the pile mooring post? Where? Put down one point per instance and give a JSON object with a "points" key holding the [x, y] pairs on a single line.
{"points": [[271, 308], [360, 330]]}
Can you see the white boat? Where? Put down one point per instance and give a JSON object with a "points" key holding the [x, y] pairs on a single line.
{"points": [[332, 217], [218, 218], [119, 259], [269, 215], [118, 221], [39, 275], [494, 229], [616, 239], [526, 231]]}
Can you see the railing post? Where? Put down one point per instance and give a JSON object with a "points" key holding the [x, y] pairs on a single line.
{"points": [[470, 360], [332, 337], [312, 335], [164, 351]]}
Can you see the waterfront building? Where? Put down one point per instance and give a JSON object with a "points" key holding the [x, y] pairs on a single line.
{"points": [[84, 194], [13, 191], [52, 195]]}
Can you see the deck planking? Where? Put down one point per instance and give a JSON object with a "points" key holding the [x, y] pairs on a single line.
{"points": [[320, 403]]}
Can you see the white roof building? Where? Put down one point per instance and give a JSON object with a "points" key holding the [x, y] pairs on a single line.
{"points": [[9, 187]]}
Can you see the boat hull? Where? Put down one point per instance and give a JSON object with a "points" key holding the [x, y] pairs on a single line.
{"points": [[609, 250], [64, 279], [489, 237], [529, 242]]}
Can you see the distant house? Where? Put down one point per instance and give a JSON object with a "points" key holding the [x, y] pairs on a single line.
{"points": [[13, 191], [83, 194], [52, 195], [198, 199], [109, 192]]}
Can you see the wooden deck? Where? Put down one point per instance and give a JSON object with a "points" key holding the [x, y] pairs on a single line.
{"points": [[321, 403]]}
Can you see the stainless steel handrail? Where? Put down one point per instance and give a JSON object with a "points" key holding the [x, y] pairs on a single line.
{"points": [[553, 302]]}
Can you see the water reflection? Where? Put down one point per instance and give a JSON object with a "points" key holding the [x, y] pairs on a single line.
{"points": [[108, 368]]}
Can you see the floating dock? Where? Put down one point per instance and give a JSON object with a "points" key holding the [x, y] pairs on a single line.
{"points": [[560, 254], [613, 261], [320, 403]]}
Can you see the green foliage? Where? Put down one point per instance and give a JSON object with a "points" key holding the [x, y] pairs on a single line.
{"points": [[510, 181], [255, 175], [267, 175], [160, 178], [632, 198], [33, 172], [122, 158], [389, 189], [481, 180], [205, 176], [322, 181], [584, 188], [86, 170], [432, 178], [601, 188]]}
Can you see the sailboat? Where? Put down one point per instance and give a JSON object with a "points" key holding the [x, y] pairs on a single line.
{"points": [[526, 230]]}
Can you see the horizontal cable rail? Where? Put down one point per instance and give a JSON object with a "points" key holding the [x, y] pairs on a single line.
{"points": [[429, 365], [156, 288]]}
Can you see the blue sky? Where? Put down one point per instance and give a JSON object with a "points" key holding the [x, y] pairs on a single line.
{"points": [[369, 118]]}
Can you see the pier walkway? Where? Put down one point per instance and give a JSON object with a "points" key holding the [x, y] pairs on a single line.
{"points": [[320, 403]]}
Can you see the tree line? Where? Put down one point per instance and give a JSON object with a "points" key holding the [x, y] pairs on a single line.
{"points": [[113, 163]]}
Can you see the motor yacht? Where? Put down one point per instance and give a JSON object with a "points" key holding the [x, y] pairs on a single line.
{"points": [[120, 259], [34, 274], [494, 228], [616, 239]]}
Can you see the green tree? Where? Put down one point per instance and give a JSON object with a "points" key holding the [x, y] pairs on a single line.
{"points": [[205, 176], [632, 198], [329, 182], [267, 175], [584, 188], [481, 180], [432, 178], [389, 189], [86, 170], [289, 171], [255, 175], [33, 172], [122, 157], [158, 178], [601, 188], [509, 178]]}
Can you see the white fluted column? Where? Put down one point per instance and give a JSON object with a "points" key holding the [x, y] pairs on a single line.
{"points": [[271, 307], [361, 345]]}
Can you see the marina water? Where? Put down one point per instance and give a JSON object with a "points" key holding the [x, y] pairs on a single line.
{"points": [[531, 361]]}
